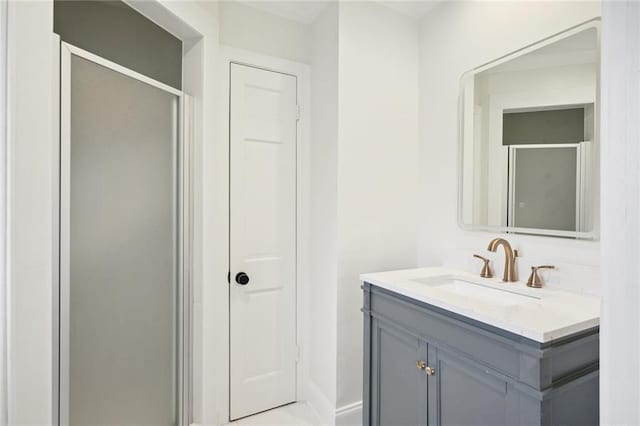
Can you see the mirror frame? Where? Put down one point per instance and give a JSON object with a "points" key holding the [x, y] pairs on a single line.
{"points": [[594, 233]]}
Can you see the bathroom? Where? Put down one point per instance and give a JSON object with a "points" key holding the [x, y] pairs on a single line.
{"points": [[374, 158]]}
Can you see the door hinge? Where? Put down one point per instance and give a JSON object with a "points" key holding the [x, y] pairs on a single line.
{"points": [[298, 113], [297, 353]]}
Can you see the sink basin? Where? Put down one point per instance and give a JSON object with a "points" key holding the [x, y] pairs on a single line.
{"points": [[478, 292]]}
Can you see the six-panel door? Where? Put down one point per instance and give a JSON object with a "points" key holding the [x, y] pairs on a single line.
{"points": [[262, 240]]}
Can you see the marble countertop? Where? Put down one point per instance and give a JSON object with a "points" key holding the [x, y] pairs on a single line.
{"points": [[541, 315]]}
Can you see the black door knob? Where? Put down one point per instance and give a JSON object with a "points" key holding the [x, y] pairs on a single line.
{"points": [[242, 278]]}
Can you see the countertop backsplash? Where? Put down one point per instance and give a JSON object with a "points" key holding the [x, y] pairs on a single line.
{"points": [[568, 274]]}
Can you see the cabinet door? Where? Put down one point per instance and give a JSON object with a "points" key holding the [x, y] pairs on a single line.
{"points": [[398, 384], [462, 392]]}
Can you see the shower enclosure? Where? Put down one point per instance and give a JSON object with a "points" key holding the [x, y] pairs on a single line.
{"points": [[124, 245]]}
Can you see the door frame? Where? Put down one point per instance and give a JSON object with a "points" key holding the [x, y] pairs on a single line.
{"points": [[61, 241], [301, 71]]}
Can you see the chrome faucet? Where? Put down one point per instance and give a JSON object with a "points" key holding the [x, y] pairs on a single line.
{"points": [[509, 258]]}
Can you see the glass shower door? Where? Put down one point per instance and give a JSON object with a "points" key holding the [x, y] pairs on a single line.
{"points": [[119, 231]]}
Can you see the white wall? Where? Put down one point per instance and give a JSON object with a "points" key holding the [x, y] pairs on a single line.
{"points": [[249, 28], [31, 179], [3, 213], [377, 165], [620, 319], [323, 270], [455, 37]]}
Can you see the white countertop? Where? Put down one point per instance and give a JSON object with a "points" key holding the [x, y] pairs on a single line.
{"points": [[543, 316]]}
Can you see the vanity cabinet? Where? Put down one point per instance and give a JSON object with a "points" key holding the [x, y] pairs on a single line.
{"points": [[424, 365]]}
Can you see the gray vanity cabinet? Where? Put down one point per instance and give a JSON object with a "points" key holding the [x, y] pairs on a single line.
{"points": [[427, 366]]}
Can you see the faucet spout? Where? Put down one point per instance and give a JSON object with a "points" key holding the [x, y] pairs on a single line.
{"points": [[509, 258]]}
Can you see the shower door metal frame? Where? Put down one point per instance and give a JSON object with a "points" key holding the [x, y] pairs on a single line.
{"points": [[62, 243]]}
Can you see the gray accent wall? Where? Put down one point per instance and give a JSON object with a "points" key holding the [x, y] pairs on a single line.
{"points": [[117, 32], [543, 127]]}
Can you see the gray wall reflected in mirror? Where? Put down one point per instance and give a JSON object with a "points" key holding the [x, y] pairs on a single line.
{"points": [[529, 140]]}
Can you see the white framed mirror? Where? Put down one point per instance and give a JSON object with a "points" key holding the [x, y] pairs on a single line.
{"points": [[528, 141]]}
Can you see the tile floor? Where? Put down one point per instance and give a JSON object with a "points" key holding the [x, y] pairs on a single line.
{"points": [[297, 414]]}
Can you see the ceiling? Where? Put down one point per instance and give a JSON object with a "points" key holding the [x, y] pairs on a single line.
{"points": [[414, 9], [306, 11], [579, 48]]}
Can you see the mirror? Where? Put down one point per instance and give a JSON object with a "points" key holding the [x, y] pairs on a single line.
{"points": [[529, 139]]}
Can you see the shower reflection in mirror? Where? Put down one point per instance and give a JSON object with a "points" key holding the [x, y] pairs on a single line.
{"points": [[529, 139]]}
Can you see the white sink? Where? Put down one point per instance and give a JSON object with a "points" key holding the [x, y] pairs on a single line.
{"points": [[476, 291]]}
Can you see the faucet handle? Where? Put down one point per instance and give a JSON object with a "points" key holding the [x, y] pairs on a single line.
{"points": [[486, 269], [534, 280]]}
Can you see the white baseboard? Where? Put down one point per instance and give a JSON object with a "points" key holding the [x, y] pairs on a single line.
{"points": [[318, 401], [349, 415]]}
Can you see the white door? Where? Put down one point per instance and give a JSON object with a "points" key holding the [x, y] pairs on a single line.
{"points": [[262, 244]]}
